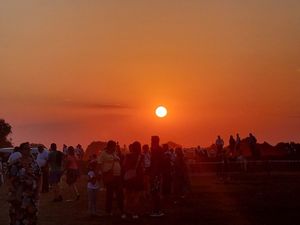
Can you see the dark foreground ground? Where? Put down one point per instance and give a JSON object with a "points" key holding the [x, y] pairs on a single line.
{"points": [[252, 199]]}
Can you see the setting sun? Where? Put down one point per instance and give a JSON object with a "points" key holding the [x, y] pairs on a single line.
{"points": [[161, 111]]}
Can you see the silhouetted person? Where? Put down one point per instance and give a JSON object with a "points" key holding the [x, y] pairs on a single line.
{"points": [[147, 167], [156, 174], [14, 156], [24, 176], [65, 149], [181, 178], [93, 185], [222, 157], [78, 152], [232, 145], [42, 160], [167, 171], [109, 163], [253, 146], [134, 179], [238, 145], [55, 158], [72, 171], [219, 146]]}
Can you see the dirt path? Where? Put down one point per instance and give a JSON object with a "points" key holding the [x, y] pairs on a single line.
{"points": [[239, 202]]}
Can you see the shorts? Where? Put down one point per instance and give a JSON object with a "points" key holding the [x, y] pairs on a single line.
{"points": [[155, 183], [134, 184], [72, 176], [147, 171], [54, 177]]}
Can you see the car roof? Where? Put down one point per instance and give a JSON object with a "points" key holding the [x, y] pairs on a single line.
{"points": [[6, 150], [11, 149]]}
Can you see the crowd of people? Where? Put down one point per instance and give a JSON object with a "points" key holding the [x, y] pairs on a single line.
{"points": [[145, 172], [233, 151]]}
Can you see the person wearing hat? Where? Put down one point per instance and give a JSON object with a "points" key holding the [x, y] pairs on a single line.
{"points": [[109, 164]]}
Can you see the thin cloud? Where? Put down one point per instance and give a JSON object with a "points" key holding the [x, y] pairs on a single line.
{"points": [[295, 116], [94, 105]]}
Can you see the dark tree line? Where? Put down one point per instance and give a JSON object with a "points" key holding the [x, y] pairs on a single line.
{"points": [[5, 130]]}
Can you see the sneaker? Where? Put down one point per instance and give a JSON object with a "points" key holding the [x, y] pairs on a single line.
{"points": [[74, 200], [108, 214], [158, 214], [135, 217], [59, 199], [95, 215]]}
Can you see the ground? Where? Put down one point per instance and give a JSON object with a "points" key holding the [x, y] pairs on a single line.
{"points": [[256, 199]]}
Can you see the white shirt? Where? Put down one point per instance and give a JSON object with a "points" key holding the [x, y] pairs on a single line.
{"points": [[219, 142], [79, 153], [42, 158], [91, 174], [14, 157], [147, 160], [65, 151]]}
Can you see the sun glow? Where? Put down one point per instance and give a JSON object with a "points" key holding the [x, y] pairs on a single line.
{"points": [[161, 111]]}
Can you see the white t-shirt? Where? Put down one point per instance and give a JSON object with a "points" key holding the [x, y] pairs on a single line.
{"points": [[147, 160], [42, 158], [91, 174], [14, 157]]}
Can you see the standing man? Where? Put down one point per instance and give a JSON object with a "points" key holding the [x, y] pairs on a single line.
{"points": [[167, 170], [232, 144], [65, 149], [147, 167], [221, 156], [42, 160], [219, 145], [55, 166], [253, 146], [157, 157], [79, 152], [238, 145]]}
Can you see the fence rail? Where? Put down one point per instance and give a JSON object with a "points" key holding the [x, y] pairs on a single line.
{"points": [[245, 166]]}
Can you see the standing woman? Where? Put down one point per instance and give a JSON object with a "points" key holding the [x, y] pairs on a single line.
{"points": [[72, 171], [24, 176], [181, 177], [110, 167], [232, 145], [134, 179], [147, 167]]}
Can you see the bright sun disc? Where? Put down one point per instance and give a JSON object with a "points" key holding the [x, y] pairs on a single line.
{"points": [[161, 111]]}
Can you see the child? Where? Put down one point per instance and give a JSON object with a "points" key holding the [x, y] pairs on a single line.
{"points": [[92, 187]]}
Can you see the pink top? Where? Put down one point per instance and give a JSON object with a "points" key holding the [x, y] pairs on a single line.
{"points": [[72, 162]]}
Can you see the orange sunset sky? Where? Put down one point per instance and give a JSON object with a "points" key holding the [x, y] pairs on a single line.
{"points": [[77, 71]]}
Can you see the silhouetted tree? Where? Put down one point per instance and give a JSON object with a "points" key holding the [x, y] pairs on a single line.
{"points": [[5, 130], [94, 148]]}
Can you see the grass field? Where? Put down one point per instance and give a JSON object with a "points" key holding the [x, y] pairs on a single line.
{"points": [[251, 199]]}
